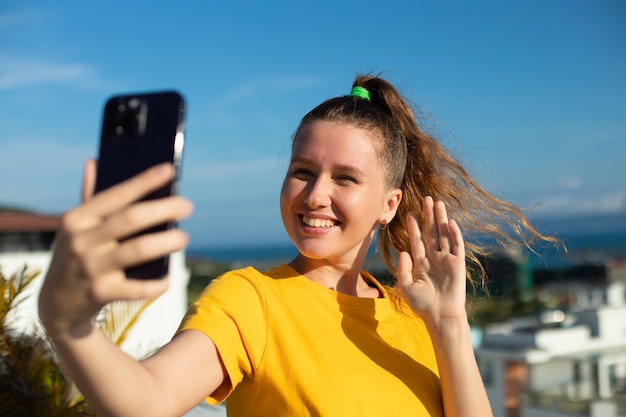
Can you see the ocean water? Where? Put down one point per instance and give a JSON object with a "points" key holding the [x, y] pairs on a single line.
{"points": [[581, 248], [258, 256]]}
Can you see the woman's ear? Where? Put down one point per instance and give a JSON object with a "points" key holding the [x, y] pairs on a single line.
{"points": [[392, 201]]}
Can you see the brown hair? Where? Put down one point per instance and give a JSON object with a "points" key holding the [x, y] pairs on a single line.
{"points": [[419, 164]]}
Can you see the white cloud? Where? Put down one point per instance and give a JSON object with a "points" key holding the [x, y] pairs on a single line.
{"points": [[587, 203], [220, 171], [592, 139], [264, 87], [41, 155], [24, 71], [291, 83], [227, 112], [571, 183], [11, 19], [32, 57]]}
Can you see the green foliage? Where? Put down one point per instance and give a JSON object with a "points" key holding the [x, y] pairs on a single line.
{"points": [[14, 209], [202, 272], [118, 318], [33, 382]]}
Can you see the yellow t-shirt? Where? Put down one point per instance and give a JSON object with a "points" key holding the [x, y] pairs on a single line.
{"points": [[292, 347]]}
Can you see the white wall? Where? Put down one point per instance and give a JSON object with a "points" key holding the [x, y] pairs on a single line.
{"points": [[156, 325], [596, 409], [494, 383]]}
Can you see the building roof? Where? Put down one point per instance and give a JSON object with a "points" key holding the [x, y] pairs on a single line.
{"points": [[20, 221]]}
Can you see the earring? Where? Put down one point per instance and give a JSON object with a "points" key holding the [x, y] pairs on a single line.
{"points": [[383, 224]]}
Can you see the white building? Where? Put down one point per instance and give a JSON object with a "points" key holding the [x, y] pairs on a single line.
{"points": [[558, 364]]}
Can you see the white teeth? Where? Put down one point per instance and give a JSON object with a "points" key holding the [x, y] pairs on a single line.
{"points": [[317, 222]]}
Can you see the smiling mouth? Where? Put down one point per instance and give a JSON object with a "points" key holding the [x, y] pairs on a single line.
{"points": [[318, 223]]}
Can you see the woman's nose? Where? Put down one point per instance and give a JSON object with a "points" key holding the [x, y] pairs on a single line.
{"points": [[318, 193]]}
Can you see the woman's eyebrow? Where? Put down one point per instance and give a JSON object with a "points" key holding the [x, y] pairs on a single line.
{"points": [[344, 168]]}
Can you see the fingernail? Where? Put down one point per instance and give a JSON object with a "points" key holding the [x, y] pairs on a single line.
{"points": [[187, 206], [163, 168]]}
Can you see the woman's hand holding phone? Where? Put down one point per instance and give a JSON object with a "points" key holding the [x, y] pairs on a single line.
{"points": [[96, 244]]}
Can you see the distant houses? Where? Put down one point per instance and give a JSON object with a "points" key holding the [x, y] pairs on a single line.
{"points": [[567, 361], [24, 232], [26, 240]]}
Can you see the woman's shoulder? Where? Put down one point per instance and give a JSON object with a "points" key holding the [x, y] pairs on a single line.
{"points": [[242, 285], [250, 276], [250, 273]]}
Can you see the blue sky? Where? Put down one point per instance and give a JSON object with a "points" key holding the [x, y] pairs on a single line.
{"points": [[530, 94]]}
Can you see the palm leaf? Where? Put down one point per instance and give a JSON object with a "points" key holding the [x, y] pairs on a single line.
{"points": [[12, 290], [10, 405], [32, 381], [118, 318]]}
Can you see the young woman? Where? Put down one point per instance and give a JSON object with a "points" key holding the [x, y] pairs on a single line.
{"points": [[319, 336]]}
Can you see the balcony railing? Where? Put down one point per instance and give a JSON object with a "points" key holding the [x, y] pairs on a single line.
{"points": [[558, 404], [571, 407]]}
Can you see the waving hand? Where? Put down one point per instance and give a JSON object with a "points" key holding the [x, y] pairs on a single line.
{"points": [[432, 278]]}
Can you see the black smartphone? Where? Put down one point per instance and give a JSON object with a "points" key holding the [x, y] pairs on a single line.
{"points": [[138, 132]]}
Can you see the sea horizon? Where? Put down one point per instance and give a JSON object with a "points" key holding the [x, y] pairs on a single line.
{"points": [[581, 248]]}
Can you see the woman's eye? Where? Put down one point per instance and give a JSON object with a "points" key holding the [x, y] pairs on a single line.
{"points": [[302, 173], [346, 179]]}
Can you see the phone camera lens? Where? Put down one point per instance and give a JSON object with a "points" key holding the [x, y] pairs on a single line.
{"points": [[124, 118]]}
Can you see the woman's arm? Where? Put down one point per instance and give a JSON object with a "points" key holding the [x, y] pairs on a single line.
{"points": [[87, 272], [169, 383], [432, 281]]}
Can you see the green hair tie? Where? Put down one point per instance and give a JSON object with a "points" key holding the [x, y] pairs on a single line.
{"points": [[361, 93]]}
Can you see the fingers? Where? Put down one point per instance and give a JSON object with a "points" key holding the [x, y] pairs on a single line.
{"points": [[131, 190], [456, 236], [137, 217], [405, 269], [430, 225], [106, 271], [441, 220], [89, 180], [113, 199], [137, 289], [100, 248], [146, 248], [143, 215], [443, 234], [415, 235], [94, 230], [105, 291]]}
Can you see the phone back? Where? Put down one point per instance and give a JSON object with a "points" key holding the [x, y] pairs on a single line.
{"points": [[138, 132]]}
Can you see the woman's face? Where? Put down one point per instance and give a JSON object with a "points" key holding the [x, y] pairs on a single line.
{"points": [[334, 194]]}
